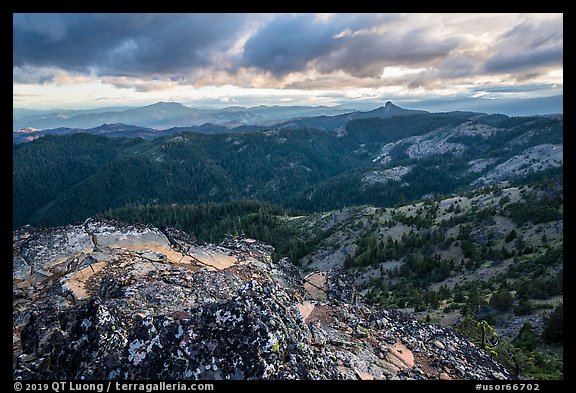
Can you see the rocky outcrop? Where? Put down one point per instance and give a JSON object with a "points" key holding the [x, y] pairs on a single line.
{"points": [[107, 300]]}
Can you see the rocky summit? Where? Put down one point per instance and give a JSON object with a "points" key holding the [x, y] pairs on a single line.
{"points": [[105, 300]]}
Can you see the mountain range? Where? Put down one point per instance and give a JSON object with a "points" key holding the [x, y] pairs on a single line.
{"points": [[378, 160], [229, 120], [164, 115]]}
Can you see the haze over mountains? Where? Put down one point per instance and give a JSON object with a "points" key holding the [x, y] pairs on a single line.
{"points": [[163, 115], [167, 118], [139, 122], [166, 115]]}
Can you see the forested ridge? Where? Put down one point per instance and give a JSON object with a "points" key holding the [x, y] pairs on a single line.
{"points": [[63, 179]]}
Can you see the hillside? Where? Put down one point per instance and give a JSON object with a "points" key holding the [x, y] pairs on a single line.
{"points": [[104, 300], [495, 254]]}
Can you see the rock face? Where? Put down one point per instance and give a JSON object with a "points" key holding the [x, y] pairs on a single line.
{"points": [[107, 300]]}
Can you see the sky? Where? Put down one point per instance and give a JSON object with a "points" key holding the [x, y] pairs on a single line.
{"points": [[218, 60]]}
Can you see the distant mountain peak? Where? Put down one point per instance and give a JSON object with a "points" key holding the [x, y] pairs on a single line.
{"points": [[389, 109], [167, 104], [106, 126]]}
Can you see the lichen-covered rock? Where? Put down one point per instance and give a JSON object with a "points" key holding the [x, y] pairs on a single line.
{"points": [[341, 285], [104, 300]]}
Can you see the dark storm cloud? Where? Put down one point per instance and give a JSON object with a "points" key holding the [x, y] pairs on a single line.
{"points": [[528, 46], [289, 43], [122, 44], [360, 45], [139, 45]]}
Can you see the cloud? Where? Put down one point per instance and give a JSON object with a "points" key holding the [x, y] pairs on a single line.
{"points": [[409, 54], [49, 28], [529, 45], [141, 85], [457, 66], [514, 88], [361, 45], [368, 54], [32, 75], [49, 75], [182, 46], [123, 44], [289, 43], [519, 61], [24, 95]]}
